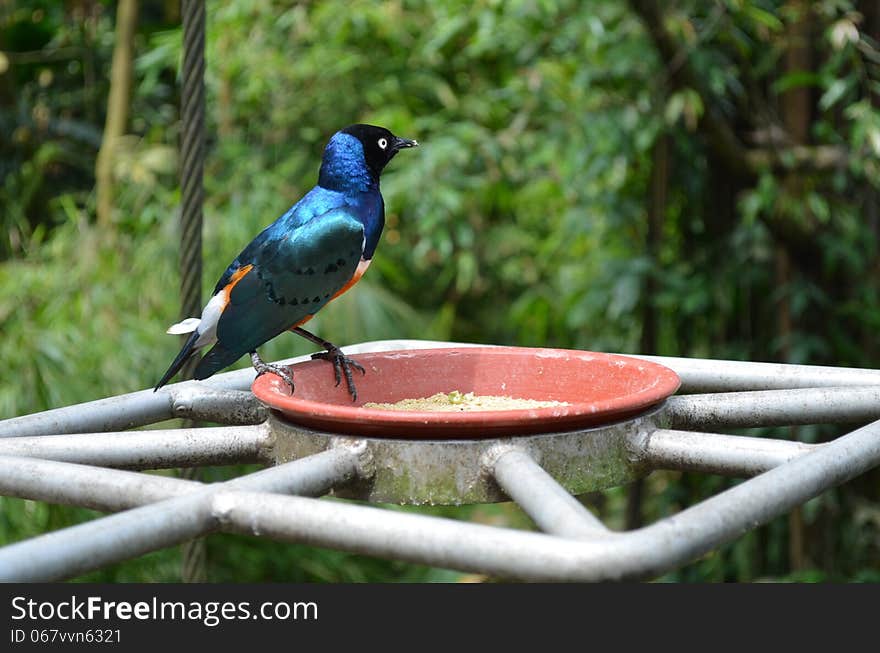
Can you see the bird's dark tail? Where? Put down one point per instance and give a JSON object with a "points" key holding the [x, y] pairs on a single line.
{"points": [[214, 361], [187, 351]]}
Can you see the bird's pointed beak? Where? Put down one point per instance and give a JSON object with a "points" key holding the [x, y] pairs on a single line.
{"points": [[402, 143]]}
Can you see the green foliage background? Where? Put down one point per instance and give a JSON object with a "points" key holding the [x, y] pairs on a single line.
{"points": [[523, 218]]}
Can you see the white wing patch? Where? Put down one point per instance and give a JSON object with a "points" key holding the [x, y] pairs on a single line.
{"points": [[210, 317], [206, 326], [188, 325]]}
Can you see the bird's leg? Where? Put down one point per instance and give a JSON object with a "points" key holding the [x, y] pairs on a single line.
{"points": [[341, 363], [263, 368]]}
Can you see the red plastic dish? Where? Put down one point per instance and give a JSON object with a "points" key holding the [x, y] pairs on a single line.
{"points": [[599, 388]]}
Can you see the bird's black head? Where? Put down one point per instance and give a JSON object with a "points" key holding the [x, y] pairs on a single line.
{"points": [[380, 145], [355, 157]]}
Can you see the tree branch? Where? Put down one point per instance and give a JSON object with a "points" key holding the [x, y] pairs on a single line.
{"points": [[117, 106], [719, 131], [816, 158]]}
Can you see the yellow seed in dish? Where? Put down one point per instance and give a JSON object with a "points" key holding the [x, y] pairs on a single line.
{"points": [[464, 401]]}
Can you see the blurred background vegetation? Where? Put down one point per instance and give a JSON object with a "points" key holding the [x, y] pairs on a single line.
{"points": [[682, 178]]}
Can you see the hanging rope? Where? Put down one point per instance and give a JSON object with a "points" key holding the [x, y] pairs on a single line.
{"points": [[192, 148], [193, 160]]}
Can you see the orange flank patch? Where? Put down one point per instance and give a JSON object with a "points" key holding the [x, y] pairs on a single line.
{"points": [[358, 273], [301, 322], [237, 276]]}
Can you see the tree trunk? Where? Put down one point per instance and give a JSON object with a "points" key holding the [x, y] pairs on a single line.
{"points": [[658, 191], [118, 104], [796, 117]]}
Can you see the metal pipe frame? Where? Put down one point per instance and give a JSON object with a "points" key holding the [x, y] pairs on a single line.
{"points": [[714, 375], [157, 449], [643, 553], [251, 505], [713, 453], [549, 505], [159, 511], [833, 405], [147, 407], [204, 400], [220, 399], [108, 490], [88, 546]]}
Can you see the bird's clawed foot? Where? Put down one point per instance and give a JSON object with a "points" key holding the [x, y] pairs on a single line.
{"points": [[263, 368], [342, 365]]}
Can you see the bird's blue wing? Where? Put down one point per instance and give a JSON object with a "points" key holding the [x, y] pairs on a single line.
{"points": [[283, 281], [313, 204]]}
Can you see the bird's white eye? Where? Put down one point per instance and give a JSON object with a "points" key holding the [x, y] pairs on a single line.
{"points": [[383, 143]]}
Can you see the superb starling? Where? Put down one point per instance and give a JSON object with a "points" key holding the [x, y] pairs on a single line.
{"points": [[312, 254]]}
